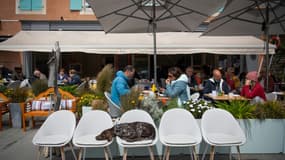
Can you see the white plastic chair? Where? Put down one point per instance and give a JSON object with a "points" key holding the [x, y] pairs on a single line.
{"points": [[137, 115], [114, 110], [90, 125], [271, 96], [195, 96], [178, 128], [220, 128], [56, 131]]}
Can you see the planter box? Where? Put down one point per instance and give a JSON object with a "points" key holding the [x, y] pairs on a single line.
{"points": [[16, 114], [263, 136], [86, 109]]}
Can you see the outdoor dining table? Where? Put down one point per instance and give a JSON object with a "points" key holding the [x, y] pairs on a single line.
{"points": [[280, 95], [226, 97]]}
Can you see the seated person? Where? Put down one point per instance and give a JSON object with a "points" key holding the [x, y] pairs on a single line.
{"points": [[39, 75], [120, 84], [192, 83], [177, 85], [252, 87], [73, 79], [61, 77], [232, 80], [18, 74], [216, 83]]}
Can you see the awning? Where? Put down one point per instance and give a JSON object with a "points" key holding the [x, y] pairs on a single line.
{"points": [[140, 43]]}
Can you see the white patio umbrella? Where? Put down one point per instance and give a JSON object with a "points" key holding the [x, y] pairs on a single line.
{"points": [[250, 17], [143, 16]]}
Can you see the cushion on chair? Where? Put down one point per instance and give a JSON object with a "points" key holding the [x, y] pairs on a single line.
{"points": [[66, 104], [41, 105], [89, 139], [179, 139], [143, 142], [51, 140], [221, 138]]}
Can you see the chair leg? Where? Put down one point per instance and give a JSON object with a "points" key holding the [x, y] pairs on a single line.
{"points": [[212, 153], [80, 153], [167, 152], [38, 153], [205, 151], [109, 152], [84, 153], [151, 152], [125, 154], [106, 153], [33, 122], [72, 150], [50, 153], [238, 150], [24, 123], [164, 154], [194, 153], [62, 153], [230, 154], [191, 153]]}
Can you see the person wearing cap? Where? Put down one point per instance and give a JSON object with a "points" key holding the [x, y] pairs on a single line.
{"points": [[252, 87]]}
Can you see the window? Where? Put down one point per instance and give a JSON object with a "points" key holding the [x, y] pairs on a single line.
{"points": [[75, 5], [86, 8], [30, 6]]}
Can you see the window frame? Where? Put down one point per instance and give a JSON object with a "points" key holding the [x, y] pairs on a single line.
{"points": [[41, 12]]}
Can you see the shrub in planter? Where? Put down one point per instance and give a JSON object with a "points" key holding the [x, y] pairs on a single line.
{"points": [[198, 107], [239, 109], [131, 100], [270, 110], [39, 86]]}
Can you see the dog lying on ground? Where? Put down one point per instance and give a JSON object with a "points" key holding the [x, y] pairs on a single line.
{"points": [[131, 132]]}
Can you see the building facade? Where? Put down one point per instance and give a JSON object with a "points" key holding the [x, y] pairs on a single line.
{"points": [[76, 15]]}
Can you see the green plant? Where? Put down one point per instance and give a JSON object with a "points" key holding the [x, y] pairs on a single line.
{"points": [[70, 88], [99, 104], [131, 100], [197, 108], [270, 109], [238, 108], [86, 99], [172, 103], [153, 106], [18, 95], [104, 79], [2, 88], [39, 86]]}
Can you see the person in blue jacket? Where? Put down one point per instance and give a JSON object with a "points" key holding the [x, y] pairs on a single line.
{"points": [[120, 84], [177, 85]]}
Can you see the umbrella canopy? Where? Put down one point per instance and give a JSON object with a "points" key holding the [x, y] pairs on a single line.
{"points": [[135, 16], [250, 17]]}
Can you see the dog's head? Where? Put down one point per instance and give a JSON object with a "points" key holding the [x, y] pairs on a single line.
{"points": [[107, 134]]}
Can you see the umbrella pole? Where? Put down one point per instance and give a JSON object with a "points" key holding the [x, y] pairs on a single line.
{"points": [[267, 45], [154, 42]]}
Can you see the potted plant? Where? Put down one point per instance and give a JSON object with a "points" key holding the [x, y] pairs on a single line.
{"points": [[18, 98], [84, 103], [131, 100]]}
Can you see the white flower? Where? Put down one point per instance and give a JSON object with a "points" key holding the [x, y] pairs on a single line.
{"points": [[191, 106], [192, 110], [199, 111]]}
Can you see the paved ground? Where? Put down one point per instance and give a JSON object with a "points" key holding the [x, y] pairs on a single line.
{"points": [[17, 145]]}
